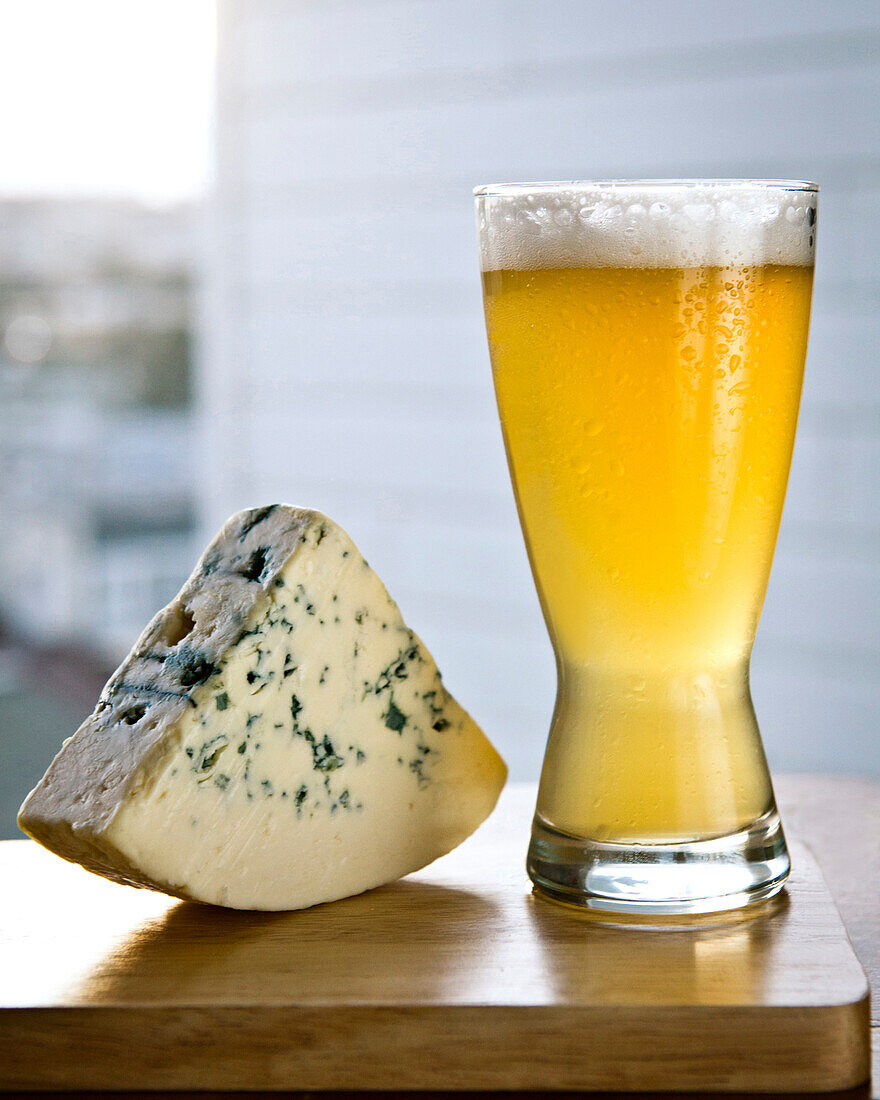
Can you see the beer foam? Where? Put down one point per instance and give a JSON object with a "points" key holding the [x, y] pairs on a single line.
{"points": [[693, 223]]}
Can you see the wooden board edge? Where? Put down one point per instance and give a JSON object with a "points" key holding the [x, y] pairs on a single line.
{"points": [[460, 1048]]}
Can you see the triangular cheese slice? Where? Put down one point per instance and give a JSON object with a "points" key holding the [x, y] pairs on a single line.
{"points": [[277, 737]]}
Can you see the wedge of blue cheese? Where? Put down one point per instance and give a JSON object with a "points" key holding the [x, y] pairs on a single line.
{"points": [[278, 736]]}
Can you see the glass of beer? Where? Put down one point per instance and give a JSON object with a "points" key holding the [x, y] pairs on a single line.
{"points": [[647, 342]]}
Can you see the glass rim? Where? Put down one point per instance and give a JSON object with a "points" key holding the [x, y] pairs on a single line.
{"points": [[506, 190]]}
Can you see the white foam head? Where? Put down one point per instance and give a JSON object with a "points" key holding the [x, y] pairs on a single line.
{"points": [[682, 223]]}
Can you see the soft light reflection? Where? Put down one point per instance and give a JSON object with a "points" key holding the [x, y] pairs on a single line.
{"points": [[728, 966], [70, 924], [80, 939], [591, 962]]}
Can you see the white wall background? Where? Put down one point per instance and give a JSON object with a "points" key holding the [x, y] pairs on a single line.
{"points": [[343, 356]]}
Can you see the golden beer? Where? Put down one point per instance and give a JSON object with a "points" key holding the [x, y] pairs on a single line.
{"points": [[649, 413]]}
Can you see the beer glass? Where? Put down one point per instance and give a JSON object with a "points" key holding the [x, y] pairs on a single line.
{"points": [[647, 341]]}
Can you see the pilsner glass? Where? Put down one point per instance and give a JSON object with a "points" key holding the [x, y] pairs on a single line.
{"points": [[647, 342]]}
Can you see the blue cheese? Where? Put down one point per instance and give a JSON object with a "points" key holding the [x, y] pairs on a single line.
{"points": [[278, 736]]}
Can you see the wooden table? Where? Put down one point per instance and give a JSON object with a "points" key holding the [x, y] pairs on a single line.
{"points": [[839, 818]]}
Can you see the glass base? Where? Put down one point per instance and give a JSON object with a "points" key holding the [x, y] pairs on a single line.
{"points": [[706, 876]]}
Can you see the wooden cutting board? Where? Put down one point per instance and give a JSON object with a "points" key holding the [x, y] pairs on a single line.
{"points": [[455, 978]]}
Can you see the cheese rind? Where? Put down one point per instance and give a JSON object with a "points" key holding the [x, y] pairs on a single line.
{"points": [[278, 737]]}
